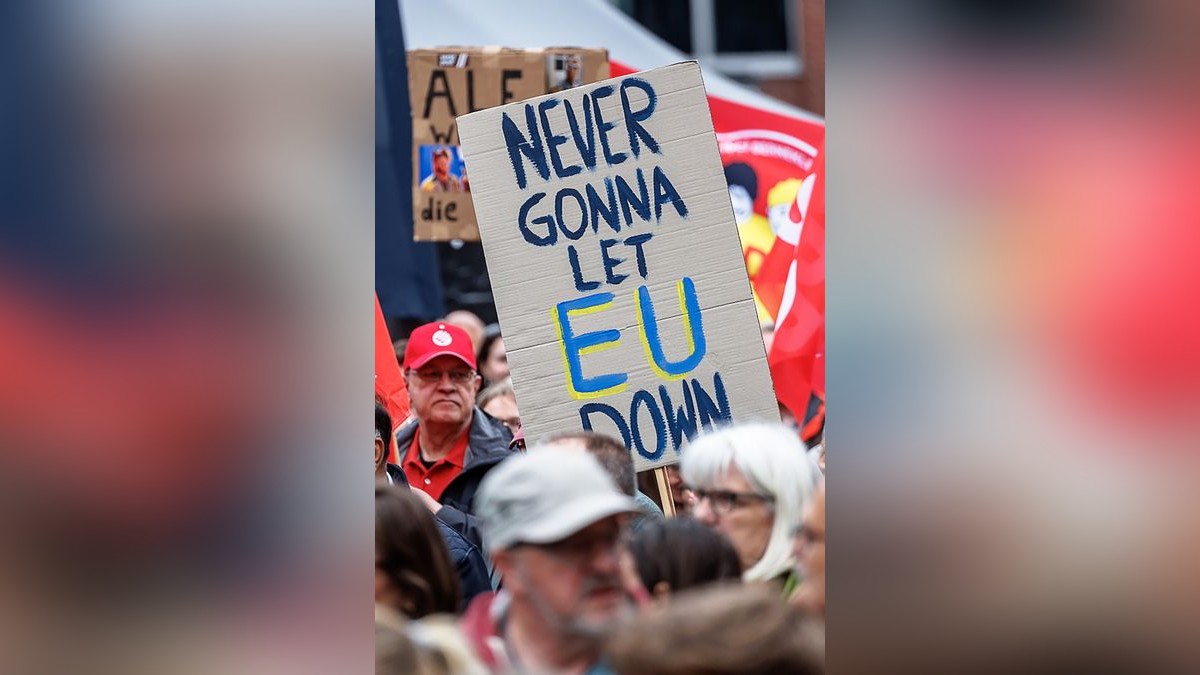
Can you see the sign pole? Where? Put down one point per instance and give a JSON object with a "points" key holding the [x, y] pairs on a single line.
{"points": [[664, 491]]}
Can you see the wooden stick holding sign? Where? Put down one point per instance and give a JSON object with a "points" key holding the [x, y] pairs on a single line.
{"points": [[664, 491], [615, 262]]}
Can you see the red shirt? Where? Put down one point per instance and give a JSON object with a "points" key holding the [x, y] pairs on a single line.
{"points": [[434, 479]]}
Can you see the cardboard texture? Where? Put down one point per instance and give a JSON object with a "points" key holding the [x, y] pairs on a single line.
{"points": [[615, 263], [450, 81]]}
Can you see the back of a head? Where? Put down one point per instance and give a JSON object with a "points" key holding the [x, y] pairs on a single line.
{"points": [[383, 425], [734, 629], [682, 553], [431, 646], [411, 552], [394, 651], [773, 460], [610, 452]]}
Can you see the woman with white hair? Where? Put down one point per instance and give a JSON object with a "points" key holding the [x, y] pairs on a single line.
{"points": [[752, 483]]}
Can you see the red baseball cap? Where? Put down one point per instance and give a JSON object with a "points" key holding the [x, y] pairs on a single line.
{"points": [[438, 339]]}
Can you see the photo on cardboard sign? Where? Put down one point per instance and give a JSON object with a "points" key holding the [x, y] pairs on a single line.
{"points": [[563, 71], [442, 169]]}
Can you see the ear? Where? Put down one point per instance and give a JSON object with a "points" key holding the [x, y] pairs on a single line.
{"points": [[505, 564], [380, 453]]}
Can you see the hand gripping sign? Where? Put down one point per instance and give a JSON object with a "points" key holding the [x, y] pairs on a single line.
{"points": [[615, 262]]}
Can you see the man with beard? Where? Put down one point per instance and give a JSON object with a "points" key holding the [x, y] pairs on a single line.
{"points": [[553, 523]]}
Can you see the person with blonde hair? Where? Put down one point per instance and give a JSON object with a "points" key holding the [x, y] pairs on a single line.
{"points": [[742, 630], [752, 484], [431, 646]]}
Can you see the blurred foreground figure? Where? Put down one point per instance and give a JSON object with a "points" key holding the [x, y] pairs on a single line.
{"points": [[740, 629], [468, 562], [682, 553], [413, 572], [431, 646], [553, 524], [752, 483], [451, 445]]}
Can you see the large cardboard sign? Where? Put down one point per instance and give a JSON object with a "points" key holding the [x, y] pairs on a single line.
{"points": [[615, 262], [450, 81]]}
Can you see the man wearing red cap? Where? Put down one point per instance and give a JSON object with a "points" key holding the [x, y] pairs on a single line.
{"points": [[450, 445]]}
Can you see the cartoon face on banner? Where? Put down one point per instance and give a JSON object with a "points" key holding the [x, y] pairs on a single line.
{"points": [[764, 170]]}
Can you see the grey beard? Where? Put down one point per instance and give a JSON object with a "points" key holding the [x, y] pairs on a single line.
{"points": [[575, 626]]}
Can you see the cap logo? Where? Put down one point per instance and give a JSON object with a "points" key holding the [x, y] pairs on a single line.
{"points": [[442, 338]]}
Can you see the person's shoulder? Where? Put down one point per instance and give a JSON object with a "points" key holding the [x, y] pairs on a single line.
{"points": [[397, 474], [457, 544], [648, 505], [488, 431]]}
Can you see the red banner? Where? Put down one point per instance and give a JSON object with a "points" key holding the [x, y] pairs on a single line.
{"points": [[389, 382]]}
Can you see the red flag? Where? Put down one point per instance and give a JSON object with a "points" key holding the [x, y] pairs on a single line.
{"points": [[797, 357], [389, 383]]}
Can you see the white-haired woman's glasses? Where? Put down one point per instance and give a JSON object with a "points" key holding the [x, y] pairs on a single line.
{"points": [[724, 501]]}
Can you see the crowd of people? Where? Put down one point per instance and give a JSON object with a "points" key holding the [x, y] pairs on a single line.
{"points": [[500, 554]]}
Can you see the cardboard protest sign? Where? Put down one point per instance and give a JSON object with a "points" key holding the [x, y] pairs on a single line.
{"points": [[615, 262], [450, 81]]}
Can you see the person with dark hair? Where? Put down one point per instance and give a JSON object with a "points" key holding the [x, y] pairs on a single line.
{"points": [[681, 553], [385, 470], [492, 358], [614, 457], [468, 562], [742, 630], [413, 572]]}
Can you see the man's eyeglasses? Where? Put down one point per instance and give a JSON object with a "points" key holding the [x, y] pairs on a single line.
{"points": [[434, 376], [724, 501]]}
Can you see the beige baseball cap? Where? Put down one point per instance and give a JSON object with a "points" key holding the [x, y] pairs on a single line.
{"points": [[544, 496]]}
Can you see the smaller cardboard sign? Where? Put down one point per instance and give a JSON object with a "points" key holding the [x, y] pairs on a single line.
{"points": [[615, 263], [450, 81]]}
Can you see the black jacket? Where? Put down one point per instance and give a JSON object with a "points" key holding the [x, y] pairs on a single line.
{"points": [[487, 446], [468, 562], [396, 474]]}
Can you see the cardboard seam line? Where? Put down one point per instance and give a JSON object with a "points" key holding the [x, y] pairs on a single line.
{"points": [[631, 326]]}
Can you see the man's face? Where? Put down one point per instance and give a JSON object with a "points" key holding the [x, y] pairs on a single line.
{"points": [[442, 391], [441, 165], [810, 550], [575, 583]]}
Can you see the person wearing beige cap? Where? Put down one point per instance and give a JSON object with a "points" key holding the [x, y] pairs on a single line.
{"points": [[554, 524]]}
